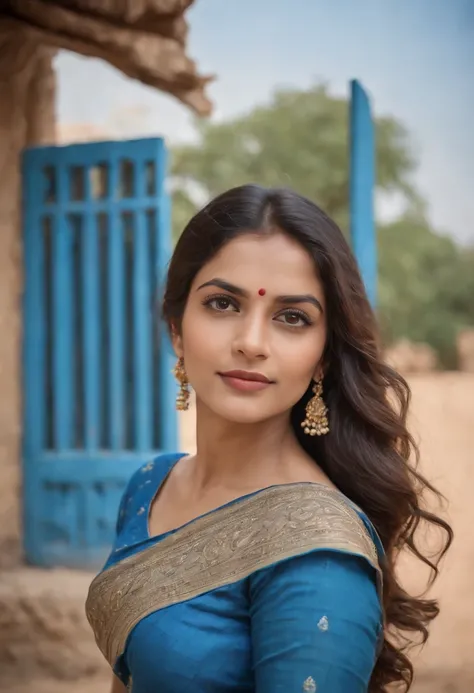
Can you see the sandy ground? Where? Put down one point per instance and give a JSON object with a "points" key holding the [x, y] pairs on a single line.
{"points": [[443, 421], [443, 418]]}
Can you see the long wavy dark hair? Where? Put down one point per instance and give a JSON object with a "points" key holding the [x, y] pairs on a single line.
{"points": [[369, 454]]}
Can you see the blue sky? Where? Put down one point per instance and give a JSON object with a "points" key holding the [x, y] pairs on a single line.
{"points": [[415, 58]]}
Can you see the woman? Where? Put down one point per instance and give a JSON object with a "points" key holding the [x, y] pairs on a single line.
{"points": [[265, 562]]}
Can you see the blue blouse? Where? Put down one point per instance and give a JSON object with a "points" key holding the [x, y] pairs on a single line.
{"points": [[278, 591]]}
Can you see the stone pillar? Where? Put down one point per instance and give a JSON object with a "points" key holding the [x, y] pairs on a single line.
{"points": [[27, 91]]}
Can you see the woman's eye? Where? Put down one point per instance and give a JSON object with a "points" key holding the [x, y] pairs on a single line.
{"points": [[294, 318], [221, 303]]}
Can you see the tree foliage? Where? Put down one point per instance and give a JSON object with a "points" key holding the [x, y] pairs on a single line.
{"points": [[426, 286], [300, 140]]}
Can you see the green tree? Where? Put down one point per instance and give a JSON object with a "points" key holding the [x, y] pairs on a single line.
{"points": [[300, 139], [426, 286]]}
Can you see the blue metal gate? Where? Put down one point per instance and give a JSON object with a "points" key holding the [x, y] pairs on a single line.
{"points": [[98, 388]]}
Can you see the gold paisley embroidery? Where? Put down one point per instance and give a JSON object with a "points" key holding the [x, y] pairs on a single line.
{"points": [[220, 548]]}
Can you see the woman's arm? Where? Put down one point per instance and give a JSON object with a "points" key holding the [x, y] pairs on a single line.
{"points": [[315, 624]]}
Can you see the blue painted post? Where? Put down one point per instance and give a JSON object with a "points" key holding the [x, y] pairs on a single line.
{"points": [[91, 330], [34, 357], [63, 321], [167, 386], [362, 183], [142, 354], [115, 307]]}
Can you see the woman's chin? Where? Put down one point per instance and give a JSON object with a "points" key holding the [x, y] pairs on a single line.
{"points": [[243, 413]]}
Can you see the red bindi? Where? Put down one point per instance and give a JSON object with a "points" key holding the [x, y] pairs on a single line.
{"points": [[261, 292]]}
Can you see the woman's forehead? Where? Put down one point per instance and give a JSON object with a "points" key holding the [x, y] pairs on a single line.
{"points": [[266, 261]]}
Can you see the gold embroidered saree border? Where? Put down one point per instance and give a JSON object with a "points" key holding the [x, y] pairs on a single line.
{"points": [[222, 547]]}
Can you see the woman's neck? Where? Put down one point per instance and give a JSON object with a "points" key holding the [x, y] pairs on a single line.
{"points": [[243, 456]]}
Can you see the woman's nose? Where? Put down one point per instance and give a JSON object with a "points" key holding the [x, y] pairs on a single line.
{"points": [[251, 339]]}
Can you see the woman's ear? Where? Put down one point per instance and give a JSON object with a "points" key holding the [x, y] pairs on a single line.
{"points": [[177, 342], [321, 368], [318, 373]]}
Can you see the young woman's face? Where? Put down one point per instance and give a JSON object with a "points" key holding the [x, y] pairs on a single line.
{"points": [[256, 310]]}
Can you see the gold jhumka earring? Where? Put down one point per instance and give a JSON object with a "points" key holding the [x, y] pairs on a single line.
{"points": [[316, 422], [182, 398]]}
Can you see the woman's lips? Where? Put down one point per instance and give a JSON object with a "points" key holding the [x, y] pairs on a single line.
{"points": [[245, 381]]}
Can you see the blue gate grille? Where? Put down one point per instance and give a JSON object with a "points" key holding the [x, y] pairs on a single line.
{"points": [[98, 389]]}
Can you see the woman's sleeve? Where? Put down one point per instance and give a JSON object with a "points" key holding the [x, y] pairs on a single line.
{"points": [[315, 624]]}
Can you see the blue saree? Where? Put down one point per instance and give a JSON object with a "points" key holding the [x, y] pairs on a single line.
{"points": [[276, 592]]}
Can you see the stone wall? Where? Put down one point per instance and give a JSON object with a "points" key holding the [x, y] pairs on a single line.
{"points": [[26, 117]]}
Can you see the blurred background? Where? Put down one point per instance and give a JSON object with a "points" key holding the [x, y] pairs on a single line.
{"points": [[93, 77]]}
